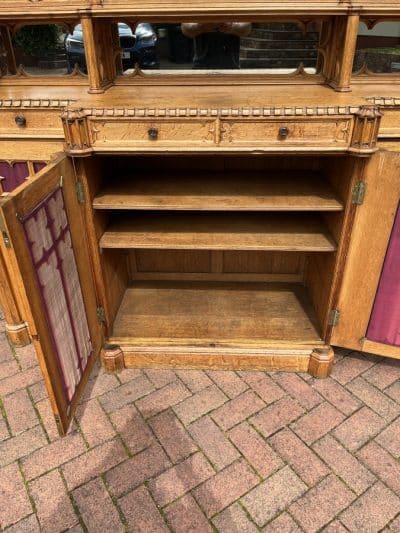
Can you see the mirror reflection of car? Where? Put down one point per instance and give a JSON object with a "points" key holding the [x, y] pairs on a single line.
{"points": [[137, 48]]}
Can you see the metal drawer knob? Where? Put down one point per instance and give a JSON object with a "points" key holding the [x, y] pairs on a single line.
{"points": [[20, 121], [153, 133], [283, 132]]}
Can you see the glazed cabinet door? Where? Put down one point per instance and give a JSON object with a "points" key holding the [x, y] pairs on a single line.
{"points": [[369, 299], [42, 224]]}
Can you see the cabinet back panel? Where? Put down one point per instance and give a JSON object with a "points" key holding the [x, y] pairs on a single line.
{"points": [[216, 265], [171, 260], [217, 163]]}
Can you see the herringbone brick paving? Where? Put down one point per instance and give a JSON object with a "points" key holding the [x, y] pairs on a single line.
{"points": [[194, 451]]}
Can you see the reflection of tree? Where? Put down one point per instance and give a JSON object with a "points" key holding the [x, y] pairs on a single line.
{"points": [[36, 39], [7, 58]]}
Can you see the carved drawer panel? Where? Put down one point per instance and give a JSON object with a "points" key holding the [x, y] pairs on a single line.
{"points": [[188, 133], [325, 132], [390, 123], [306, 130], [45, 123], [152, 134]]}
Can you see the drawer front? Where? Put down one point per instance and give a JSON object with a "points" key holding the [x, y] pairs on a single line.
{"points": [[327, 132], [151, 134], [390, 123], [25, 122]]}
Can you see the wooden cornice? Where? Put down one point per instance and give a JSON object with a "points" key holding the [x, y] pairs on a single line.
{"points": [[154, 10]]}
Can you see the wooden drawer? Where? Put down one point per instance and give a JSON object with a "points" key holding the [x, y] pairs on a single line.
{"points": [[45, 123], [152, 134], [333, 133], [390, 123], [230, 134]]}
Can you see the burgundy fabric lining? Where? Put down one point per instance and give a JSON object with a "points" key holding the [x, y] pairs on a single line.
{"points": [[49, 241], [13, 175], [384, 325], [38, 166]]}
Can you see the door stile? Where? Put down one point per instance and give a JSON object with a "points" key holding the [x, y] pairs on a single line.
{"points": [[369, 240]]}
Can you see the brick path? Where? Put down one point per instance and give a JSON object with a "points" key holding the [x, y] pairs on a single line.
{"points": [[157, 451]]}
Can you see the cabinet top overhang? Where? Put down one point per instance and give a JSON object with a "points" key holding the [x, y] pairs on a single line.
{"points": [[162, 9]]}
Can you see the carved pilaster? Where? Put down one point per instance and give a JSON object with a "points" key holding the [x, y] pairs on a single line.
{"points": [[76, 131], [112, 358], [339, 51], [321, 362], [98, 34], [365, 133]]}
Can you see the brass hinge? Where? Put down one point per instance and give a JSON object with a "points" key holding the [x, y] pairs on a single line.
{"points": [[4, 233], [101, 314], [334, 317], [359, 193], [80, 193]]}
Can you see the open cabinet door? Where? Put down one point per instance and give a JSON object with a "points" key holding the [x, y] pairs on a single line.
{"points": [[369, 298], [43, 226]]}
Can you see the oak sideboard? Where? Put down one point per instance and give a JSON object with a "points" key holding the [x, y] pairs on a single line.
{"points": [[159, 215]]}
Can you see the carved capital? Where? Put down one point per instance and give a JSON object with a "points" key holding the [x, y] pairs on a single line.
{"points": [[365, 133], [369, 112]]}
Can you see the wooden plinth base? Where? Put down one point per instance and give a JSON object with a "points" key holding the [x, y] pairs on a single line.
{"points": [[18, 334], [317, 361], [321, 362], [112, 358]]}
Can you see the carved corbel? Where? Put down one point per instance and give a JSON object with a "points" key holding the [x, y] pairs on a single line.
{"points": [[76, 131], [365, 131]]}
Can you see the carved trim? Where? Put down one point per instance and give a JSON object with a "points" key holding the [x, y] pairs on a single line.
{"points": [[389, 101], [308, 111], [36, 103]]}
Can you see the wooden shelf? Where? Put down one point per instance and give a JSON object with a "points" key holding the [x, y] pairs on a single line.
{"points": [[219, 231], [251, 191], [206, 312]]}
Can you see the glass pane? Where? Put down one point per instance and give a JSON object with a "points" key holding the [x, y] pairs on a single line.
{"points": [[378, 48], [272, 48], [40, 49]]}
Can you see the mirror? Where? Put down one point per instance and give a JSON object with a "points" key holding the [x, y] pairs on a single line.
{"points": [[378, 48], [271, 48], [35, 50]]}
